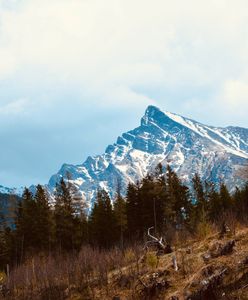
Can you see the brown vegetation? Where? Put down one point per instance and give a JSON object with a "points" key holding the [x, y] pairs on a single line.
{"points": [[209, 268]]}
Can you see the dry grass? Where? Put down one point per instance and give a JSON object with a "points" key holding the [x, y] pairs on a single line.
{"points": [[94, 274]]}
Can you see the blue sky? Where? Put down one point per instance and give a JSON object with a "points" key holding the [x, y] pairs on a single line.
{"points": [[75, 74]]}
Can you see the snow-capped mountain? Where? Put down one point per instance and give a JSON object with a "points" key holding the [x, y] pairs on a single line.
{"points": [[7, 190], [162, 137]]}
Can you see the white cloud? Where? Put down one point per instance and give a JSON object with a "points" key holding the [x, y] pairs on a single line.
{"points": [[16, 107], [7, 64], [235, 93], [100, 44]]}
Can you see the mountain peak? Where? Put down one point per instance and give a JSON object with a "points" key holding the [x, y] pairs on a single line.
{"points": [[189, 146], [152, 113], [152, 110], [156, 116]]}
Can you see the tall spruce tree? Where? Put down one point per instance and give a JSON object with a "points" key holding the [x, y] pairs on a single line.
{"points": [[120, 213], [178, 205], [151, 203], [43, 219], [215, 206], [225, 198], [63, 217], [79, 211], [134, 217], [26, 224], [161, 194], [200, 207], [102, 222]]}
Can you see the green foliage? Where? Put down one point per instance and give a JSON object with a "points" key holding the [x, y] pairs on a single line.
{"points": [[120, 214], [178, 204], [43, 219], [133, 203], [225, 198], [63, 217], [68, 222], [151, 260], [102, 222], [203, 229], [8, 207], [26, 224]]}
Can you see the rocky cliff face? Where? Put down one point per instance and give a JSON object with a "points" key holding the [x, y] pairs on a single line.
{"points": [[162, 137]]}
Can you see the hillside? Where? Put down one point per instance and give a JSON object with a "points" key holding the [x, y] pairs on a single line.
{"points": [[208, 268]]}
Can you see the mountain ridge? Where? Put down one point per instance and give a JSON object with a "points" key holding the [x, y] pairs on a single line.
{"points": [[216, 153], [162, 137]]}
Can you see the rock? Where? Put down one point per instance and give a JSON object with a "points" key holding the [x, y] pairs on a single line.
{"points": [[224, 230], [225, 249], [168, 249], [245, 261], [150, 286], [124, 281], [220, 249], [207, 288], [206, 257], [189, 250]]}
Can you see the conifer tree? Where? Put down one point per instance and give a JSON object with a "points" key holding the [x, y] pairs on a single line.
{"points": [[244, 201], [133, 202], [2, 215], [79, 211], [43, 219], [215, 206], [26, 223], [120, 215], [200, 207], [151, 203], [161, 194], [178, 205], [225, 198], [102, 221], [63, 217]]}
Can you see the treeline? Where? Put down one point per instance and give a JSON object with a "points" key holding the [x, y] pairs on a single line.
{"points": [[160, 200]]}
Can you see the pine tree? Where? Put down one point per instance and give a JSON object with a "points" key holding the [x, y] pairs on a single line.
{"points": [[43, 219], [133, 203], [63, 217], [161, 194], [151, 203], [244, 201], [7, 248], [178, 205], [225, 198], [200, 207], [2, 215], [120, 215], [148, 203], [26, 224], [102, 222], [215, 205]]}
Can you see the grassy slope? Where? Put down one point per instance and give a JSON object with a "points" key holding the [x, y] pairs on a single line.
{"points": [[96, 275]]}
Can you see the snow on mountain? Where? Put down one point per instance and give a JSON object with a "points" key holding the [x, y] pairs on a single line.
{"points": [[15, 191], [162, 137]]}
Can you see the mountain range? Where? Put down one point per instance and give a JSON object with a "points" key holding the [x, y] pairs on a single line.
{"points": [[188, 146]]}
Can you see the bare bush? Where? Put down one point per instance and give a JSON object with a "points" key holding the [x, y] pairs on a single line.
{"points": [[62, 275]]}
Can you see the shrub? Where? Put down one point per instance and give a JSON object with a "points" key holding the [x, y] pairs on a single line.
{"points": [[151, 260], [203, 229]]}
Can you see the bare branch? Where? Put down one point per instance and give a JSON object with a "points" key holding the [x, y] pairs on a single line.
{"points": [[159, 242]]}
